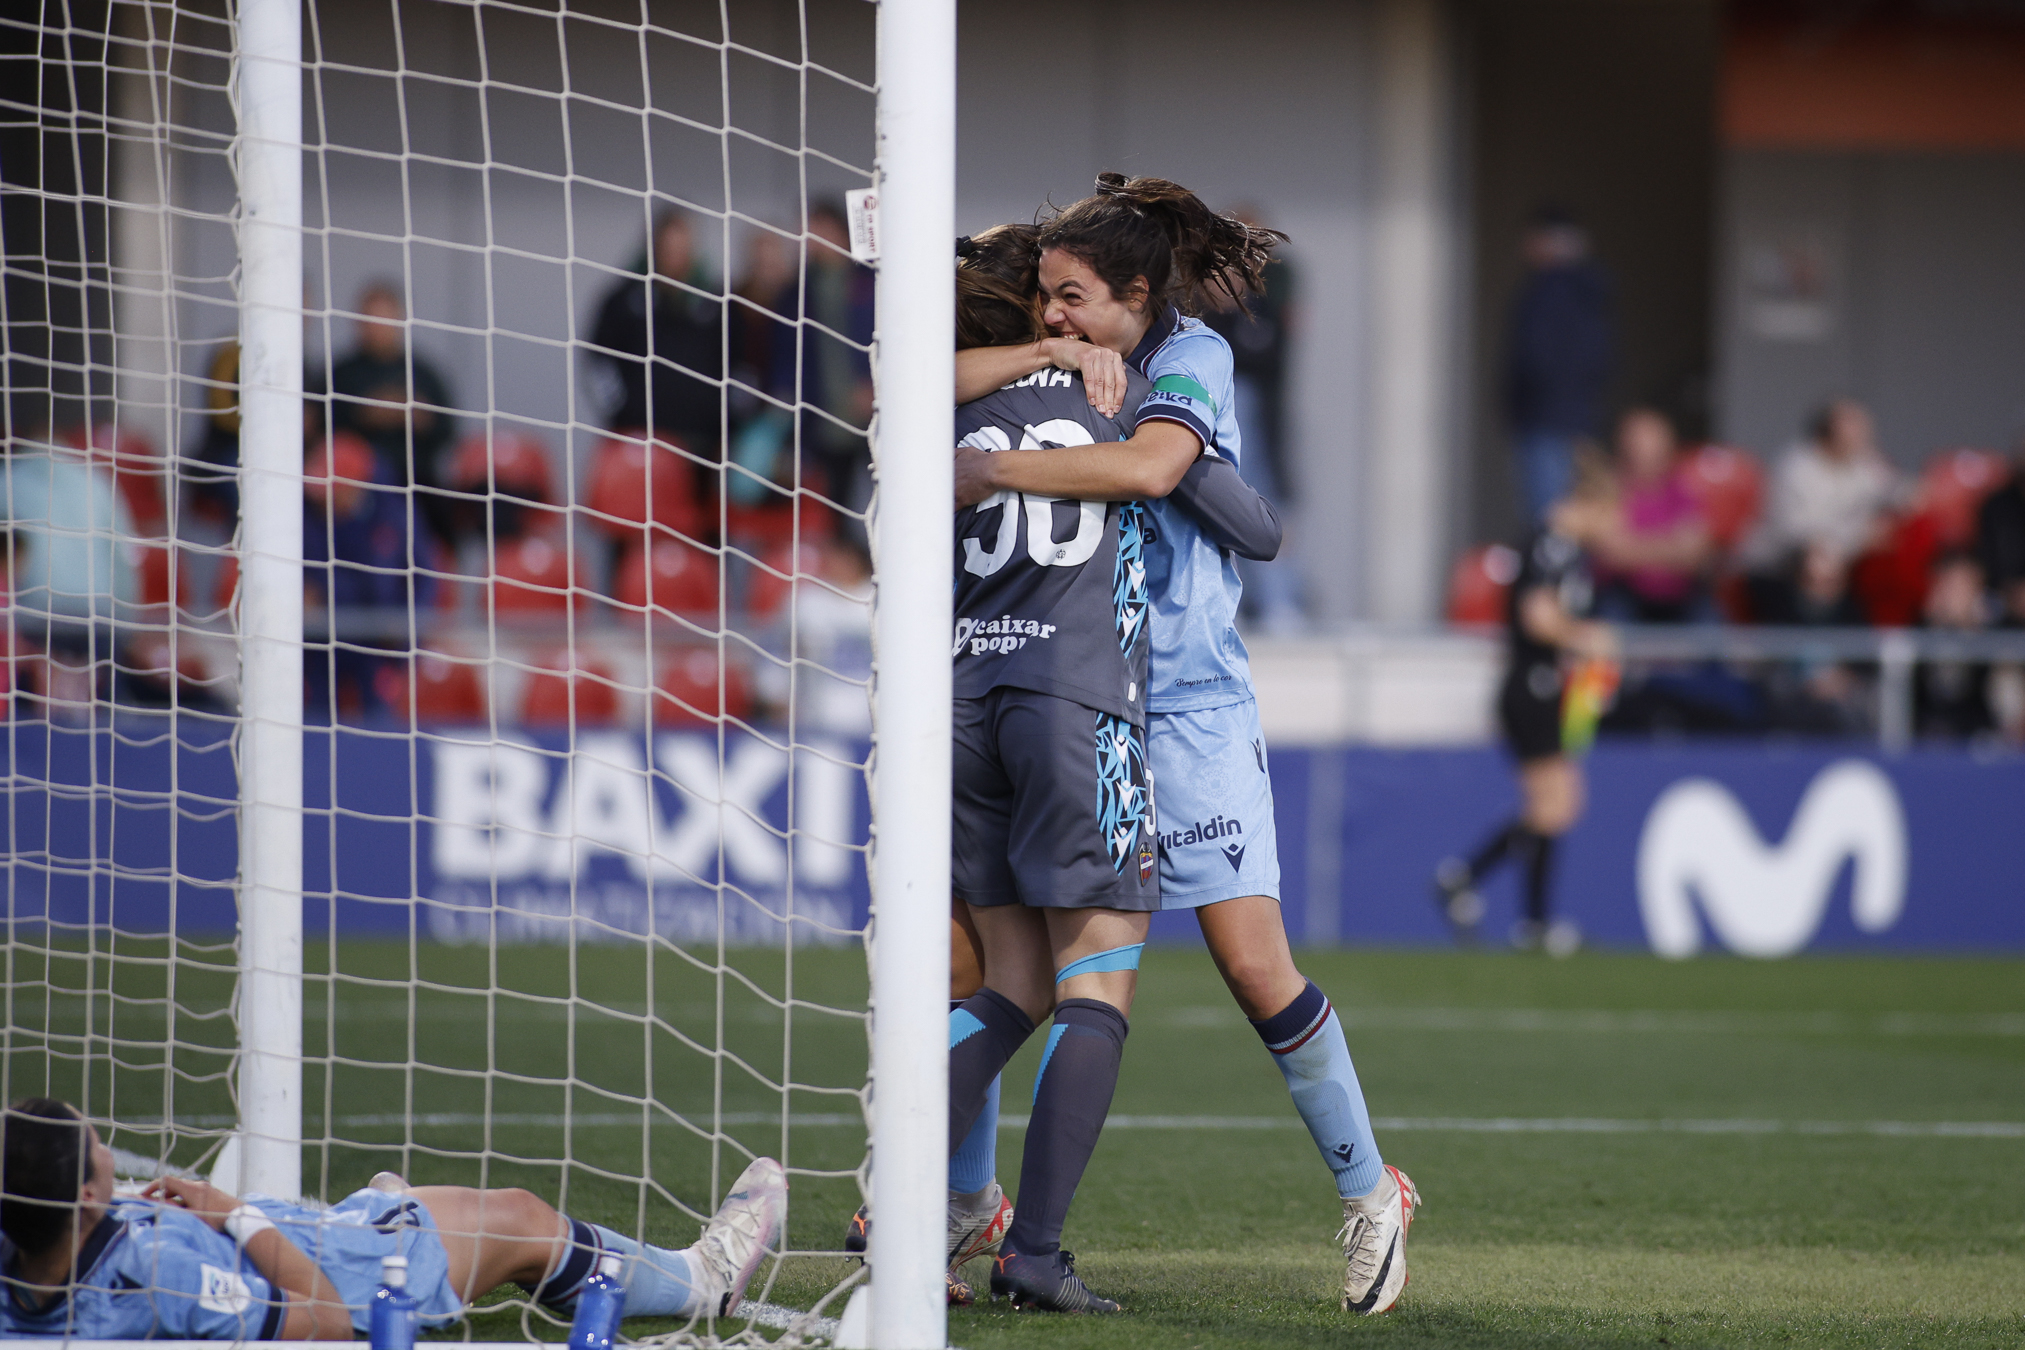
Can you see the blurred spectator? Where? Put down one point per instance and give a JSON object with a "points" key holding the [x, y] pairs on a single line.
{"points": [[2000, 545], [761, 334], [1651, 563], [836, 367], [395, 400], [1259, 332], [214, 487], [1832, 495], [1951, 699], [660, 334], [213, 478], [69, 540], [359, 567], [1561, 354]]}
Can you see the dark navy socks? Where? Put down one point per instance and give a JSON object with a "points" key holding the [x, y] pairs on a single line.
{"points": [[1072, 1095], [985, 1032]]}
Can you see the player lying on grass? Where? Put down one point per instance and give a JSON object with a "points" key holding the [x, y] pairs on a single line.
{"points": [[186, 1260], [1116, 271]]}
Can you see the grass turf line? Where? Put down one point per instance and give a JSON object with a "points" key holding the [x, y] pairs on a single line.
{"points": [[1223, 1237]]}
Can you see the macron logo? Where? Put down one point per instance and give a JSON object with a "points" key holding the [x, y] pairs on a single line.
{"points": [[1769, 899], [1234, 854]]}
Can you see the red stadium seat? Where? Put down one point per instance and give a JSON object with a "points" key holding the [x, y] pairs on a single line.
{"points": [[1478, 582], [669, 575], [547, 700], [504, 461], [1731, 486], [1952, 490], [635, 483], [1891, 580], [154, 565], [694, 691], [130, 459], [780, 520], [446, 690], [535, 574], [768, 586], [225, 585]]}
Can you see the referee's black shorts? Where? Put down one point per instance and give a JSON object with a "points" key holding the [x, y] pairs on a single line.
{"points": [[1529, 711]]}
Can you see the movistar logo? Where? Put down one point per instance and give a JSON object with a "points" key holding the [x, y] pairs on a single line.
{"points": [[1202, 831]]}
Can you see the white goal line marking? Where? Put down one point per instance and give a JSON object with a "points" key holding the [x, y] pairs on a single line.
{"points": [[1689, 1023]]}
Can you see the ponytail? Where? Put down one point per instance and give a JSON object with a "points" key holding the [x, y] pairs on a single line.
{"points": [[998, 288], [1188, 255]]}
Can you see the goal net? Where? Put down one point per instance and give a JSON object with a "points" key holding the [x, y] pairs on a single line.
{"points": [[446, 572]]}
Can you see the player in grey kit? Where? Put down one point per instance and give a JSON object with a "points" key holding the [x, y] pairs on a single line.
{"points": [[1052, 810], [1053, 838]]}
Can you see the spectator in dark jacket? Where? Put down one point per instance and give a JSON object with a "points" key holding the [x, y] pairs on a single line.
{"points": [[1562, 350], [360, 561], [393, 398], [660, 333], [836, 367]]}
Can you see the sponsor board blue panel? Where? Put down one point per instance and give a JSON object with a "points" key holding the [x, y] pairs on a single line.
{"points": [[1758, 849], [1937, 836]]}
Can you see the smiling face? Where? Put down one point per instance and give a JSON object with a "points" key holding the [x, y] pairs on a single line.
{"points": [[1077, 303]]}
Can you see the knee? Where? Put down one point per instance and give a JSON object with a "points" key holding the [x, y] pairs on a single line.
{"points": [[1261, 982], [519, 1216]]}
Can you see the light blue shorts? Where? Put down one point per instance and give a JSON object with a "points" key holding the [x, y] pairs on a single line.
{"points": [[1213, 805], [349, 1239]]}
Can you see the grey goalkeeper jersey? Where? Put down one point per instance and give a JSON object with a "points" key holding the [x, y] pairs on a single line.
{"points": [[1051, 593]]}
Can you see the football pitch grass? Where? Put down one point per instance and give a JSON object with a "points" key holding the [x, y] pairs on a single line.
{"points": [[1612, 1150]]}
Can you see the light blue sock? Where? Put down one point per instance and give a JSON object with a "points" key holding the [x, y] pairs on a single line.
{"points": [[659, 1282], [1307, 1043], [975, 1163]]}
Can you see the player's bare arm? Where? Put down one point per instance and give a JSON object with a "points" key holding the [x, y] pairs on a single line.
{"points": [[979, 370], [316, 1312], [1149, 465]]}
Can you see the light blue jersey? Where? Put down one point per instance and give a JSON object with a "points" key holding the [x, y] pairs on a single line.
{"points": [[1198, 661], [151, 1271]]}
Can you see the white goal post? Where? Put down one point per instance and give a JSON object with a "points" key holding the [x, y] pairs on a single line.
{"points": [[532, 865]]}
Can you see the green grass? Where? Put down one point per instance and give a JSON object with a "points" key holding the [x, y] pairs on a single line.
{"points": [[1220, 1236]]}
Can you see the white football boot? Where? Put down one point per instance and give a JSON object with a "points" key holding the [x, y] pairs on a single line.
{"points": [[977, 1223], [739, 1235], [1374, 1243]]}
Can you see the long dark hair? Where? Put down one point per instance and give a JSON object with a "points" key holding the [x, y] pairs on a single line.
{"points": [[1151, 228], [47, 1162], [998, 288]]}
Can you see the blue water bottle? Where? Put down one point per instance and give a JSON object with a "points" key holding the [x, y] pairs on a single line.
{"points": [[392, 1321], [600, 1305]]}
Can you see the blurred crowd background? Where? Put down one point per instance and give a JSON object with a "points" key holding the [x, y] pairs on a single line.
{"points": [[1747, 271]]}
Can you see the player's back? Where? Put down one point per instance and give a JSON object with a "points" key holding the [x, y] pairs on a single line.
{"points": [[1050, 593]]}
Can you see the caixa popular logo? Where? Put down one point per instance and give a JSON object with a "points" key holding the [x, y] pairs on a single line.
{"points": [[1768, 898], [613, 834]]}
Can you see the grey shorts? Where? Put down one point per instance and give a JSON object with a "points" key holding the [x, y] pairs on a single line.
{"points": [[1051, 807]]}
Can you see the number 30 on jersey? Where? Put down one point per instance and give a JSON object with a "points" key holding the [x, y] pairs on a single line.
{"points": [[1037, 511]]}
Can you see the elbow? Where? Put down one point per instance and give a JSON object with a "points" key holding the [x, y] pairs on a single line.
{"points": [[1157, 480]]}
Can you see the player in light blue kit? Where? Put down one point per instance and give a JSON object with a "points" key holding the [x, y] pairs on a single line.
{"points": [[1117, 271], [186, 1261]]}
